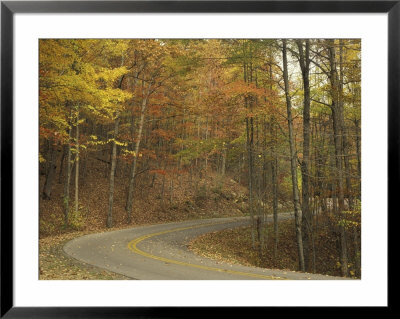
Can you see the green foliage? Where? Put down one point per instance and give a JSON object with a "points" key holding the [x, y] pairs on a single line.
{"points": [[77, 219], [347, 223], [350, 266], [217, 189], [194, 148], [217, 192], [351, 218]]}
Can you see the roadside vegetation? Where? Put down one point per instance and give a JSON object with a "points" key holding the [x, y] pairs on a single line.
{"points": [[235, 246]]}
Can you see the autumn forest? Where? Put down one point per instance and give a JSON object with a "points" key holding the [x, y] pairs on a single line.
{"points": [[137, 132]]}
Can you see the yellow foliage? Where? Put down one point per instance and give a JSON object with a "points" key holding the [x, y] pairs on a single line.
{"points": [[41, 158]]}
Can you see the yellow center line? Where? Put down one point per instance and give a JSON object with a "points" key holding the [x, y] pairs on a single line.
{"points": [[132, 245]]}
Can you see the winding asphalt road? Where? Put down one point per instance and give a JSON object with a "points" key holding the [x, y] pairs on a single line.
{"points": [[159, 252]]}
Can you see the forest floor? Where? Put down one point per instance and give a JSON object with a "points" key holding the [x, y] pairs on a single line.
{"points": [[155, 202], [163, 200], [235, 246]]}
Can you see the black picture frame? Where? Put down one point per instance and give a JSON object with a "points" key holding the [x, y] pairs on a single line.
{"points": [[9, 8]]}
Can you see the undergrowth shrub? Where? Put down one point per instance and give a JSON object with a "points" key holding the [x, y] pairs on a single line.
{"points": [[77, 219], [201, 195]]}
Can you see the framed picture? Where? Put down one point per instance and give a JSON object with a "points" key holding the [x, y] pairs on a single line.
{"points": [[351, 49]]}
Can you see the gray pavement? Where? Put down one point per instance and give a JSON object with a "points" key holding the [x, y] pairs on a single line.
{"points": [[160, 252]]}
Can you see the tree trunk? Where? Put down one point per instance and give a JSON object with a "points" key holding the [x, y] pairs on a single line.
{"points": [[274, 172], [249, 144], [171, 190], [67, 179], [293, 163], [112, 174], [304, 59], [51, 171], [77, 163], [344, 133], [162, 191], [60, 173], [223, 165], [275, 190], [358, 147], [337, 115], [129, 202], [357, 253]]}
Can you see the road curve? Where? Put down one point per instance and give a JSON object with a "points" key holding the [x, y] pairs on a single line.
{"points": [[159, 252]]}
